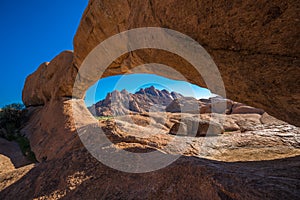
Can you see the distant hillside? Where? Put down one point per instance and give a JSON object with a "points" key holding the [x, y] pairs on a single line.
{"points": [[151, 99], [145, 100]]}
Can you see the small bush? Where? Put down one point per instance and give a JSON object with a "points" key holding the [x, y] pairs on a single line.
{"points": [[11, 119], [103, 118], [25, 147]]}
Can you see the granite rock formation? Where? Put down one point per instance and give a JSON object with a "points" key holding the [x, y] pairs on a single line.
{"points": [[260, 163], [144, 100], [51, 81], [255, 46], [253, 43], [271, 88]]}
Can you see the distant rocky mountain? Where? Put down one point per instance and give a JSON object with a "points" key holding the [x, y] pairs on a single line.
{"points": [[154, 100], [145, 100]]}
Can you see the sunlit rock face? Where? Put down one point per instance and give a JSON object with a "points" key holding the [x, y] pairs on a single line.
{"points": [[51, 81], [254, 44]]}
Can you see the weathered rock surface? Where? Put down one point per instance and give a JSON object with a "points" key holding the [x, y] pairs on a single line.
{"points": [[246, 137], [51, 128], [11, 156], [243, 109], [13, 164], [12, 176], [185, 105], [50, 81], [78, 175], [82, 176], [254, 44], [191, 126]]}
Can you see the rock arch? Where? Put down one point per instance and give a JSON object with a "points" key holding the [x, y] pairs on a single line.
{"points": [[256, 52]]}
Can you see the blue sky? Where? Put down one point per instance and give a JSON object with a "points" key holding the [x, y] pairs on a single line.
{"points": [[35, 31]]}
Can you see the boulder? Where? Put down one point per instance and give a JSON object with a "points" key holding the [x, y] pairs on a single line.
{"points": [[270, 120], [221, 105], [246, 122], [51, 128], [179, 128], [184, 105], [243, 109], [196, 127], [52, 80]]}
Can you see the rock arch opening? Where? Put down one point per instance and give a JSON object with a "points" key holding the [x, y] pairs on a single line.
{"points": [[143, 93]]}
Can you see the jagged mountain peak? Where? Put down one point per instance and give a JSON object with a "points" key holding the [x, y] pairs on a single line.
{"points": [[141, 101]]}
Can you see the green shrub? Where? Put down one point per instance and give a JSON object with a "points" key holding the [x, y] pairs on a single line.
{"points": [[11, 119], [103, 118], [25, 147]]}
